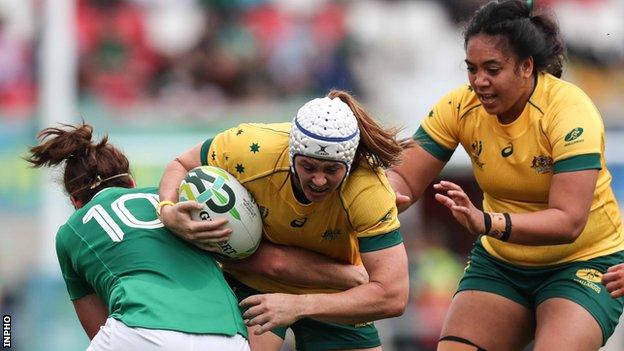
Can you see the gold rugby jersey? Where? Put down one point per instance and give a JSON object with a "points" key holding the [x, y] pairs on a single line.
{"points": [[360, 217], [560, 130]]}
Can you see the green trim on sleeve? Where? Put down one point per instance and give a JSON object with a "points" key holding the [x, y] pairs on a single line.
{"points": [[204, 151], [426, 142], [578, 163], [380, 242]]}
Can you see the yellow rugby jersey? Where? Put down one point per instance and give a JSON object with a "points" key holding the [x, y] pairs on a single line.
{"points": [[360, 217], [560, 130]]}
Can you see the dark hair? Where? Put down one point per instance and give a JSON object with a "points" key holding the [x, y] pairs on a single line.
{"points": [[88, 165], [377, 145], [527, 34]]}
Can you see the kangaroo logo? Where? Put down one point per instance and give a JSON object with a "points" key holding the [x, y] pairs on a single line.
{"points": [[590, 278], [589, 274], [574, 134]]}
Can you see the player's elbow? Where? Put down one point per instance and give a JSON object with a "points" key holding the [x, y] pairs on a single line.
{"points": [[571, 235], [395, 302], [275, 267], [174, 165], [397, 308], [573, 229], [401, 299]]}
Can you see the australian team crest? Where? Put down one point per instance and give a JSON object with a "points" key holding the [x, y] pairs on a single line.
{"points": [[542, 164], [477, 148]]}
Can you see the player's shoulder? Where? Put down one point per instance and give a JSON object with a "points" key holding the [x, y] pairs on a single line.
{"points": [[108, 195], [366, 183], [369, 201], [144, 190], [245, 131], [556, 98], [65, 231], [252, 150], [552, 92], [460, 101], [66, 235], [557, 88]]}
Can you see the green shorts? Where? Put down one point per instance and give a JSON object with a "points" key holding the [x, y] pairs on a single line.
{"points": [[313, 335], [529, 286]]}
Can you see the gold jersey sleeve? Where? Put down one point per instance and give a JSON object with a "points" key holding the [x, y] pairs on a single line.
{"points": [[370, 203], [441, 123], [250, 151], [572, 123]]}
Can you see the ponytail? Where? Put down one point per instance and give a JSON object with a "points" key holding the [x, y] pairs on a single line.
{"points": [[377, 145], [89, 166]]}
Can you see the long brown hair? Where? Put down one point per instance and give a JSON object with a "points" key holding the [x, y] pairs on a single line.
{"points": [[89, 166], [377, 145]]}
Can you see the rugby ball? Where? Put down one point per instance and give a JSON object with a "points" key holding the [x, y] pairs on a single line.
{"points": [[223, 196]]}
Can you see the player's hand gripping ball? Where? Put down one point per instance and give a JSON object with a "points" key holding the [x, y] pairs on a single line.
{"points": [[223, 196]]}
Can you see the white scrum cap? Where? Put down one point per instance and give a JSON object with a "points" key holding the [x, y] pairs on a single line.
{"points": [[325, 128]]}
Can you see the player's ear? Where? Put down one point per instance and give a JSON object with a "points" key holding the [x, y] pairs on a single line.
{"points": [[75, 202], [527, 67], [131, 183]]}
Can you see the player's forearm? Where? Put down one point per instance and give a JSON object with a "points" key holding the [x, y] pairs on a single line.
{"points": [[412, 176], [300, 266], [331, 274], [546, 227], [171, 178], [92, 314], [569, 203], [365, 303], [383, 297], [304, 267]]}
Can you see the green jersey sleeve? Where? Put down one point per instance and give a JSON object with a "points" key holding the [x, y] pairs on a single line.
{"points": [[77, 287]]}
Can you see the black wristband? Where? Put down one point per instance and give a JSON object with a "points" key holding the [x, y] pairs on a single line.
{"points": [[487, 221], [507, 231]]}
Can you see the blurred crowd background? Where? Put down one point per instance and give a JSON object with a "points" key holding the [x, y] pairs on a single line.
{"points": [[161, 75]]}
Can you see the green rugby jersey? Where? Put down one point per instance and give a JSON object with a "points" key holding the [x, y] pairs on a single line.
{"points": [[116, 246]]}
